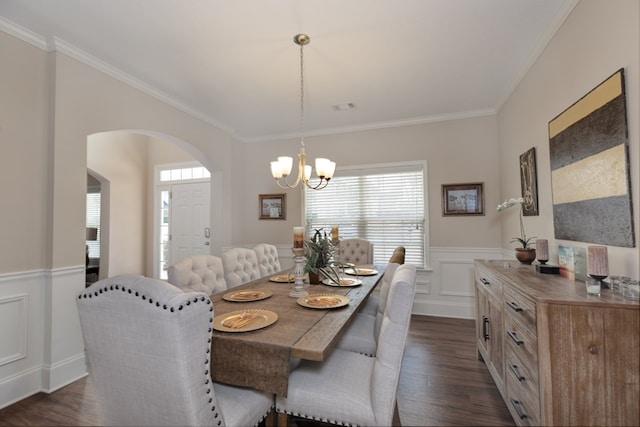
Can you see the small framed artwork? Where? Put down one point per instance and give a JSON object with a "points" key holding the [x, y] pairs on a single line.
{"points": [[529, 182], [462, 199], [273, 206]]}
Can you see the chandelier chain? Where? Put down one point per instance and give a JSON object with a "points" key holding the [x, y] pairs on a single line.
{"points": [[301, 93]]}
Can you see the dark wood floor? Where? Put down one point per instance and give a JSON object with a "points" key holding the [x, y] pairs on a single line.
{"points": [[442, 383]]}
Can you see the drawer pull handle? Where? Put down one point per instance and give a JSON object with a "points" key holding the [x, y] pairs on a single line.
{"points": [[485, 327], [515, 338], [516, 372], [516, 406], [485, 281], [514, 306]]}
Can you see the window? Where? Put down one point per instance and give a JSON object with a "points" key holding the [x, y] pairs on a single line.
{"points": [[383, 203], [93, 220], [184, 174]]}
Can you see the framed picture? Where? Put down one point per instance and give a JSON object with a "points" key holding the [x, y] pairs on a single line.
{"points": [[462, 199], [273, 206], [529, 182]]}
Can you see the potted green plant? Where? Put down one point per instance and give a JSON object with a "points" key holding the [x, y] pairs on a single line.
{"points": [[525, 253], [320, 262]]}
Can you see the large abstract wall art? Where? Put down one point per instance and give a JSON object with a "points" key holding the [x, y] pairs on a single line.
{"points": [[590, 180]]}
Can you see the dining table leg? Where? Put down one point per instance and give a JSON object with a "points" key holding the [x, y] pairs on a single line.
{"points": [[271, 420], [283, 419]]}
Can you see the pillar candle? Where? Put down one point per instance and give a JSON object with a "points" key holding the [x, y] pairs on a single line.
{"points": [[298, 237], [334, 233], [542, 249], [598, 262]]}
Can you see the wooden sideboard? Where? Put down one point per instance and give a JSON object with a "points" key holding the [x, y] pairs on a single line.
{"points": [[557, 355]]}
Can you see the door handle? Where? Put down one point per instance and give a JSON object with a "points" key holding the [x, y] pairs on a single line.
{"points": [[207, 232]]}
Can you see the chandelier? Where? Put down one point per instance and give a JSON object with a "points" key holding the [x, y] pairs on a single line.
{"points": [[281, 168]]}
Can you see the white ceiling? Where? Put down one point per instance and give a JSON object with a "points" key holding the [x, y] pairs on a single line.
{"points": [[234, 63]]}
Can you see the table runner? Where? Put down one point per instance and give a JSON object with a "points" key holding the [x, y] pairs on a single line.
{"points": [[261, 359]]}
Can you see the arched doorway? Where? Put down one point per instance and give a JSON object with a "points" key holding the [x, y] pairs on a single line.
{"points": [[127, 160]]}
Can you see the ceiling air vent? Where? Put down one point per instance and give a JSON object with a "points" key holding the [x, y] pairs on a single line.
{"points": [[344, 107]]}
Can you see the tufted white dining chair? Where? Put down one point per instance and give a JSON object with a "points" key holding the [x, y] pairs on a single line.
{"points": [[240, 266], [198, 273], [352, 389], [148, 351], [356, 251], [268, 259]]}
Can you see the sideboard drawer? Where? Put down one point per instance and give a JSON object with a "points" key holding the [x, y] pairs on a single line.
{"points": [[489, 281], [520, 341], [520, 308], [523, 404], [525, 373]]}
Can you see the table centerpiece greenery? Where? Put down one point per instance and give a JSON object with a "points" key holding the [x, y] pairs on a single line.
{"points": [[320, 261]]}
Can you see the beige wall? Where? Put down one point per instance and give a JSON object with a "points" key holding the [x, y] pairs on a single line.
{"points": [[87, 102], [121, 158], [24, 158], [456, 151], [596, 40]]}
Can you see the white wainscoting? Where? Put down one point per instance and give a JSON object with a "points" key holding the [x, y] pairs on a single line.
{"points": [[14, 312], [41, 345], [446, 289]]}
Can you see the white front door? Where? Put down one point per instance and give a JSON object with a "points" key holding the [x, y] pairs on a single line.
{"points": [[189, 222]]}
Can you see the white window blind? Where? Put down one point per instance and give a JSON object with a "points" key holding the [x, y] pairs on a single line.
{"points": [[93, 220], [383, 204]]}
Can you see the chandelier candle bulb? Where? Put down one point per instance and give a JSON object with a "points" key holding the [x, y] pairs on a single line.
{"points": [[542, 249], [298, 237], [598, 261], [286, 163], [276, 170]]}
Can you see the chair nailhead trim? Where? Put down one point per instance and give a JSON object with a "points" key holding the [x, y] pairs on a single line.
{"points": [[314, 418]]}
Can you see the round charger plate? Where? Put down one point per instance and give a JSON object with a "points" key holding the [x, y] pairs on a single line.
{"points": [[283, 278], [323, 301], [359, 271], [343, 265], [247, 295], [244, 320], [344, 282]]}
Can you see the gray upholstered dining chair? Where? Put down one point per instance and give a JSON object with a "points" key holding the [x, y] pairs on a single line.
{"points": [[198, 273], [356, 251], [373, 302], [240, 266], [352, 389], [268, 259], [362, 333], [148, 351]]}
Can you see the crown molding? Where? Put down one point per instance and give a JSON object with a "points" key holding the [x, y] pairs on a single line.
{"points": [[23, 34], [59, 45]]}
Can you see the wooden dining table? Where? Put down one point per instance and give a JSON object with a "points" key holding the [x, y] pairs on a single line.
{"points": [[262, 358]]}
